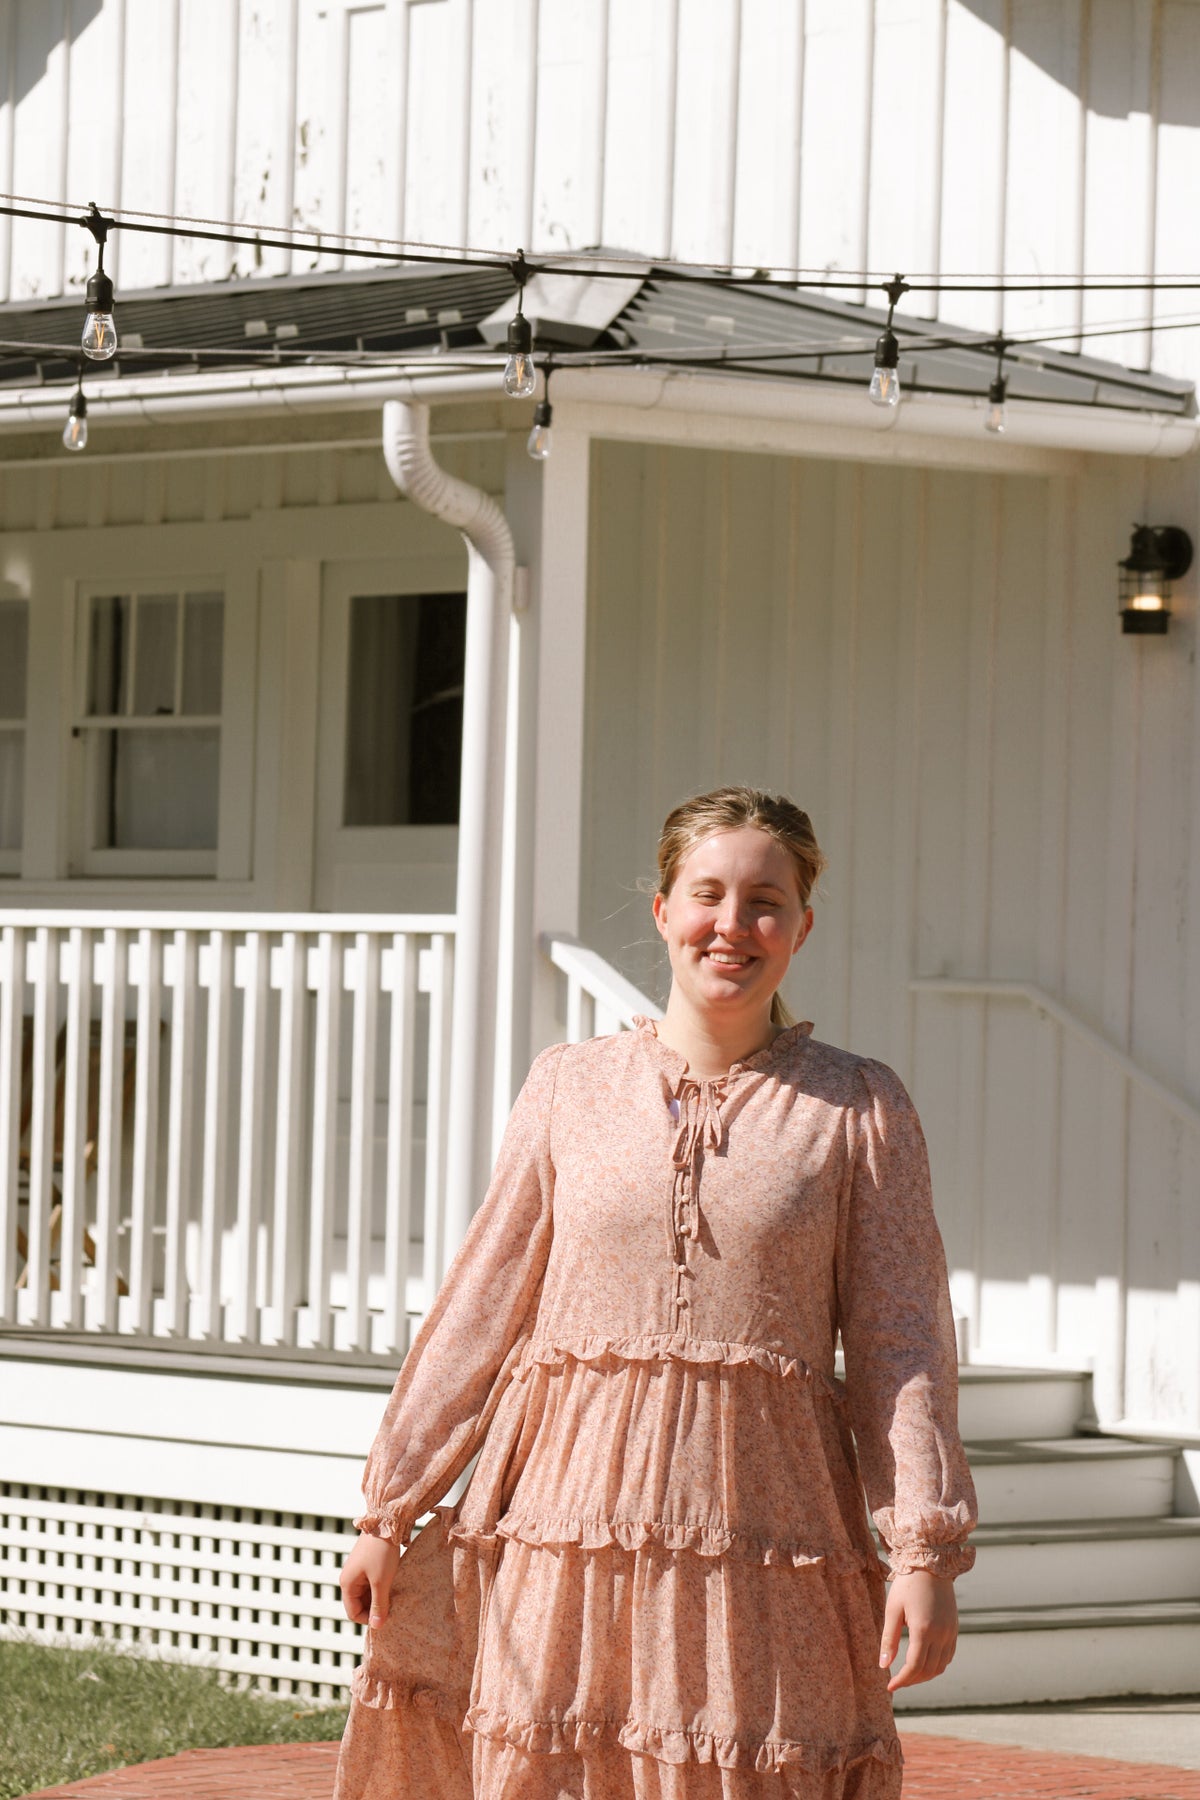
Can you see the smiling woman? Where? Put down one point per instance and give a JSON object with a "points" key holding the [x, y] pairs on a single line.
{"points": [[661, 1583]]}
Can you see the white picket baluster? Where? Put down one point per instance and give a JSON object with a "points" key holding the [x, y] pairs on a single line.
{"points": [[244, 1313], [326, 1061], [287, 1223], [216, 1130], [181, 1112], [437, 1252], [36, 1278], [12, 1012], [103, 1311], [362, 1136], [398, 1189], [145, 1130], [78, 975]]}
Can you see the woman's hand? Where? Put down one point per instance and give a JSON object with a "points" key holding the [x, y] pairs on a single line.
{"points": [[925, 1603], [366, 1579]]}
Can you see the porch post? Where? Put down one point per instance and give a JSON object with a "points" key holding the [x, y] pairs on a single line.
{"points": [[559, 597]]}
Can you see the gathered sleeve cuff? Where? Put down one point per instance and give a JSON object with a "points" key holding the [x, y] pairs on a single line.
{"points": [[448, 1386], [898, 1336]]}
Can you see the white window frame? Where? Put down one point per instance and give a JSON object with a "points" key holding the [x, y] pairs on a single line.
{"points": [[87, 860]]}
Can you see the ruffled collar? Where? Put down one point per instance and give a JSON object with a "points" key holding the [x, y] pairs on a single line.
{"points": [[675, 1064]]}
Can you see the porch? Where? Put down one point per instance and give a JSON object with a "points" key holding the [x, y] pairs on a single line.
{"points": [[231, 1129]]}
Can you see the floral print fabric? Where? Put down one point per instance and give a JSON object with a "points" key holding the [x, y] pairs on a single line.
{"points": [[661, 1583]]}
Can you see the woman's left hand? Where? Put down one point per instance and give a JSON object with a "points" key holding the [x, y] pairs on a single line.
{"points": [[925, 1604]]}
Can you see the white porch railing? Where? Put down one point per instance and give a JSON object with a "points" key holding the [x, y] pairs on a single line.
{"points": [[599, 998], [222, 1127]]}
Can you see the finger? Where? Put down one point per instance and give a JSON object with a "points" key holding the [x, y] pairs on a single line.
{"points": [[915, 1665], [379, 1604], [354, 1594], [893, 1625]]}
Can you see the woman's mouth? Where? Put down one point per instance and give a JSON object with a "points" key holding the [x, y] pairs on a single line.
{"points": [[728, 959]]}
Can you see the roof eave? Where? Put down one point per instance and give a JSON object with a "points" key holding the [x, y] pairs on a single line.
{"points": [[648, 398]]}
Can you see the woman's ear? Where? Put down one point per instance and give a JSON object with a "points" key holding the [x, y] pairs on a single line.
{"points": [[806, 926], [659, 908]]}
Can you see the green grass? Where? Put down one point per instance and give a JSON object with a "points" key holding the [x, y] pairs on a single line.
{"points": [[67, 1713]]}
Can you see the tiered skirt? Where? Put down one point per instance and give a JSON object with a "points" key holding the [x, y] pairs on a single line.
{"points": [[660, 1585]]}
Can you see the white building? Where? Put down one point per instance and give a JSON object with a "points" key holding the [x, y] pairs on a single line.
{"points": [[269, 983]]}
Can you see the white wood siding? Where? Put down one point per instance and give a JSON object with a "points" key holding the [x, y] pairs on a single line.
{"points": [[1035, 137], [931, 663]]}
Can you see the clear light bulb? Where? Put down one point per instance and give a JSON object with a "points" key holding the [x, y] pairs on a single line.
{"points": [[75, 431], [99, 339], [520, 375], [885, 386], [538, 442], [993, 419]]}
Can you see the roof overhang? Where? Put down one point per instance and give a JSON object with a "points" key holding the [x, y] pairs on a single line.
{"points": [[708, 363], [666, 406]]}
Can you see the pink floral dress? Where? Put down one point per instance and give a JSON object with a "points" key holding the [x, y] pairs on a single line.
{"points": [[661, 1583]]}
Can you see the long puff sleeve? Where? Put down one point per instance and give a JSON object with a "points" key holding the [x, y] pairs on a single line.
{"points": [[898, 1337], [447, 1388]]}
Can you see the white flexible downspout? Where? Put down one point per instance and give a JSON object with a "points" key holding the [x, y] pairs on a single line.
{"points": [[490, 564]]}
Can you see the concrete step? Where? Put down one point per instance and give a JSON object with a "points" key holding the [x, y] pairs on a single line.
{"points": [[1072, 1562], [1025, 1479], [1007, 1656], [995, 1403]]}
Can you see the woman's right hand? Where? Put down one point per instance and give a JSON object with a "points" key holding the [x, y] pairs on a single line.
{"points": [[366, 1579]]}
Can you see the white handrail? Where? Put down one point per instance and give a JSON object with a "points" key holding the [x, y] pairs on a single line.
{"points": [[598, 995], [1042, 1002], [69, 918]]}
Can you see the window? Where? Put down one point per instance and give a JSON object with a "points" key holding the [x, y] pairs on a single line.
{"points": [[150, 722], [404, 709], [14, 645]]}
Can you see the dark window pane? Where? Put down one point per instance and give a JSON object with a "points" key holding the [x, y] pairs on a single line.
{"points": [[404, 709], [108, 654], [14, 641], [154, 679], [203, 643], [12, 788], [158, 790]]}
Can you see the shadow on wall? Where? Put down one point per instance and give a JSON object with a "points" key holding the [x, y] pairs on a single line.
{"points": [[1110, 67], [35, 27]]}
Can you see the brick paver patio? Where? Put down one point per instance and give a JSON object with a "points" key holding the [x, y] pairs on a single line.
{"points": [[935, 1768]]}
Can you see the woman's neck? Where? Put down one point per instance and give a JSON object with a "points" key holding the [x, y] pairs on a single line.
{"points": [[709, 1045]]}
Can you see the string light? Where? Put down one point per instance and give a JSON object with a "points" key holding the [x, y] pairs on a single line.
{"points": [[994, 419], [75, 431], [99, 333], [538, 443], [885, 378], [520, 374]]}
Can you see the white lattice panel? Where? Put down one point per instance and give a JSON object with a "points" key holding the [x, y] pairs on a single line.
{"points": [[249, 1592]]}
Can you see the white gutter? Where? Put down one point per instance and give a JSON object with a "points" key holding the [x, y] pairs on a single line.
{"points": [[159, 400], [490, 564], [687, 393], [666, 393]]}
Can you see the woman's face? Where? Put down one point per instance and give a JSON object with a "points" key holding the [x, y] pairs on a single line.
{"points": [[733, 921]]}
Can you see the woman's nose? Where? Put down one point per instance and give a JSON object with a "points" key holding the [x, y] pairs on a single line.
{"points": [[730, 921]]}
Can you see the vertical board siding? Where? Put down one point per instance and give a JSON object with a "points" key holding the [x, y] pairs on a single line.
{"points": [[930, 662], [966, 137]]}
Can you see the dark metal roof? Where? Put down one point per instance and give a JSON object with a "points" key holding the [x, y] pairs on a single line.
{"points": [[405, 311]]}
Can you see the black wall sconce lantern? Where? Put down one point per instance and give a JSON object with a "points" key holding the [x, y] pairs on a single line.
{"points": [[1158, 555]]}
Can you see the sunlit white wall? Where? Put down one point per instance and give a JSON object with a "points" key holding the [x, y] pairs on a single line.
{"points": [[936, 137]]}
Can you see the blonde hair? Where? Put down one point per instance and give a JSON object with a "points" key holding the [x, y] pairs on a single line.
{"points": [[729, 809]]}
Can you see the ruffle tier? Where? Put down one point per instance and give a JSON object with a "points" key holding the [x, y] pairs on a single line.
{"points": [[615, 1675], [673, 1346], [670, 1443]]}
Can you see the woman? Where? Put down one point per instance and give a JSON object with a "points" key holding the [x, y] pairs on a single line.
{"points": [[661, 1583]]}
